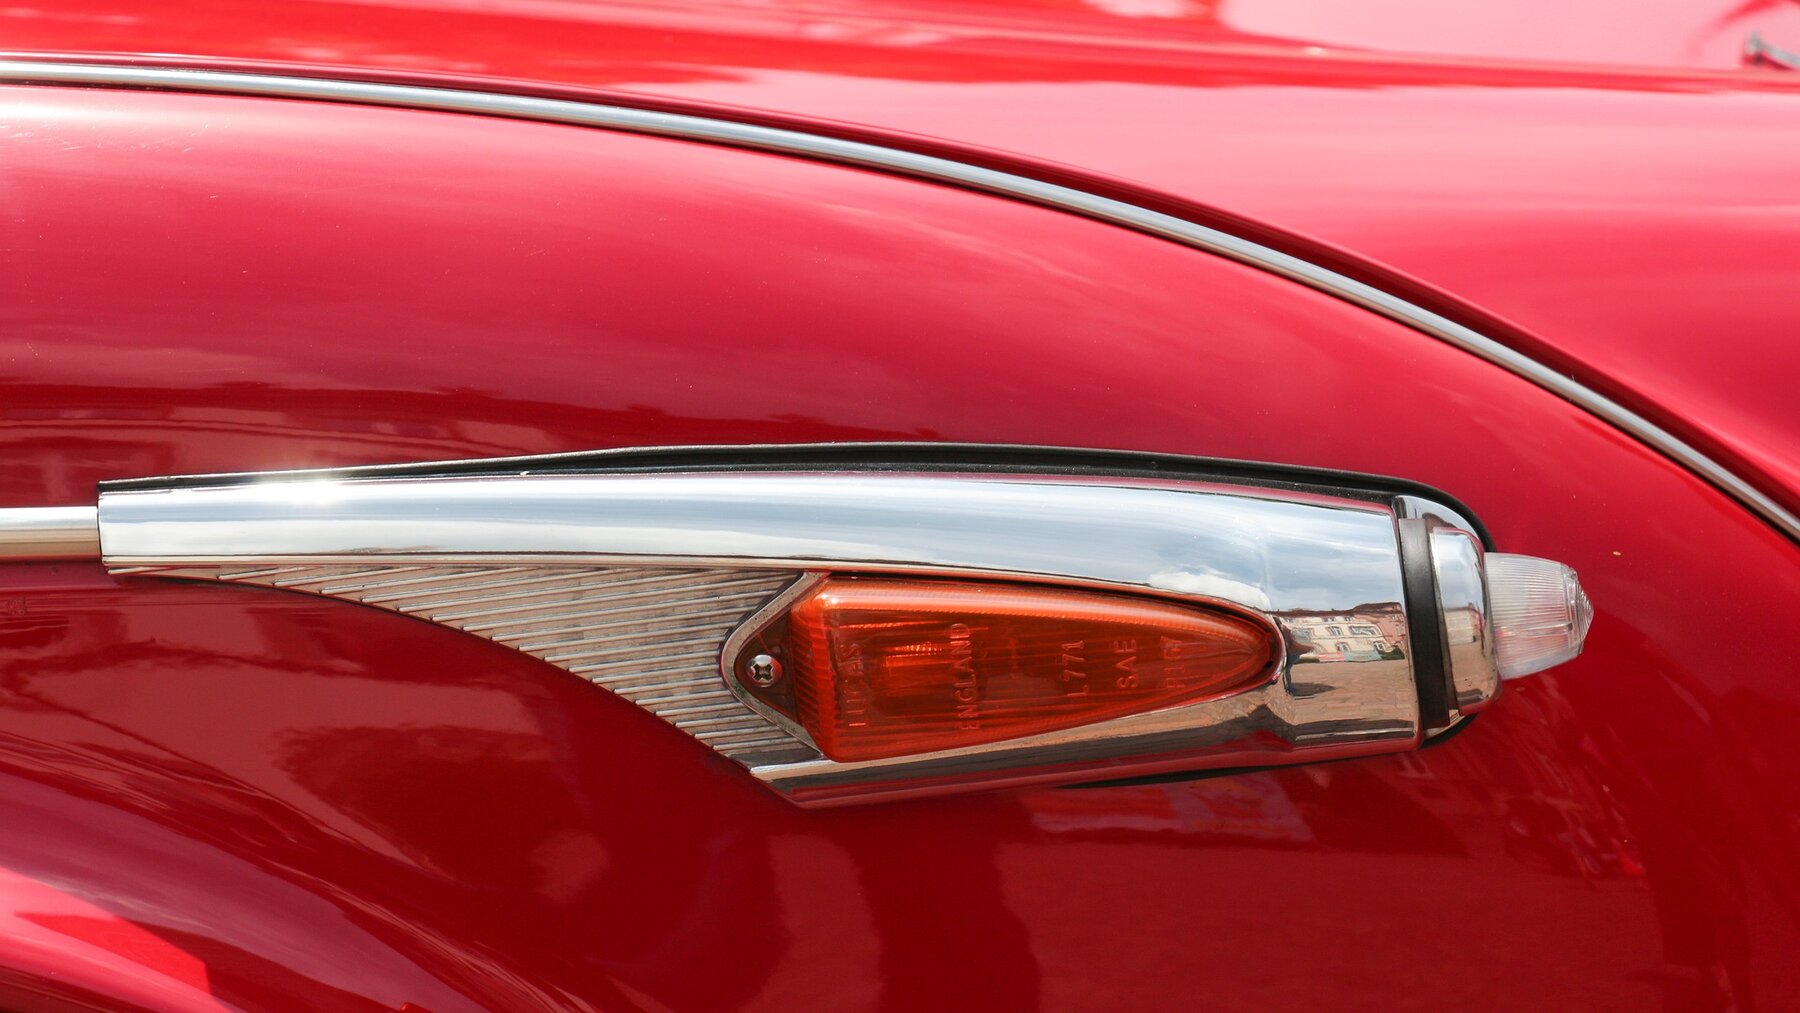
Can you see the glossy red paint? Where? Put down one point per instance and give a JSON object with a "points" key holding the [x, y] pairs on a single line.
{"points": [[1632, 225], [251, 798]]}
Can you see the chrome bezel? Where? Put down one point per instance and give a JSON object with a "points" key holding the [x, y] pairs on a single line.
{"points": [[756, 623], [1289, 557]]}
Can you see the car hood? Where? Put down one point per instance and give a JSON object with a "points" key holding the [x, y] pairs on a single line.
{"points": [[1619, 197]]}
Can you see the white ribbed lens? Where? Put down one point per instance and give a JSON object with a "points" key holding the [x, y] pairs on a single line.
{"points": [[1540, 614]]}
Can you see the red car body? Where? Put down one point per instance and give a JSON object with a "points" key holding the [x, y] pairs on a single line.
{"points": [[232, 797]]}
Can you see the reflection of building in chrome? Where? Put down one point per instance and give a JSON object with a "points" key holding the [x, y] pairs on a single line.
{"points": [[1463, 625], [1365, 633]]}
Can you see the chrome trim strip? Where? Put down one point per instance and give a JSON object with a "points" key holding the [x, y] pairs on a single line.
{"points": [[1758, 51], [1303, 564], [873, 156], [32, 533], [1255, 548]]}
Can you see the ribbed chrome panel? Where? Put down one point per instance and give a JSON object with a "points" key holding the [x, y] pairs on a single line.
{"points": [[651, 635]]}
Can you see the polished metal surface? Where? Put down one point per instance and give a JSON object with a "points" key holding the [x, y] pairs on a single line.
{"points": [[1234, 545], [895, 160], [653, 636], [1408, 505], [1758, 50], [1463, 600], [1322, 571], [774, 609], [28, 533]]}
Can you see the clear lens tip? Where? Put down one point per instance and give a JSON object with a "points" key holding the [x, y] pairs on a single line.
{"points": [[1540, 614]]}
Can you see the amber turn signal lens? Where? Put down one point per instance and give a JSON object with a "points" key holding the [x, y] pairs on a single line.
{"points": [[875, 668]]}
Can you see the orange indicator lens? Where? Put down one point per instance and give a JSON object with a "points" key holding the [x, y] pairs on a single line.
{"points": [[878, 668]]}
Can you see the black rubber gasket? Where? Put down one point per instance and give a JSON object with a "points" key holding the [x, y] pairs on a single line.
{"points": [[1425, 623], [977, 458]]}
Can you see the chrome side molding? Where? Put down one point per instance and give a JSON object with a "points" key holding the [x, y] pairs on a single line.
{"points": [[1379, 602], [29, 534]]}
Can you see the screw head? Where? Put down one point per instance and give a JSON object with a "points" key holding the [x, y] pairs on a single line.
{"points": [[763, 670]]}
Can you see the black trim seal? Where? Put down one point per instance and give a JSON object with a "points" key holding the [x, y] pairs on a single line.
{"points": [[1425, 623]]}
